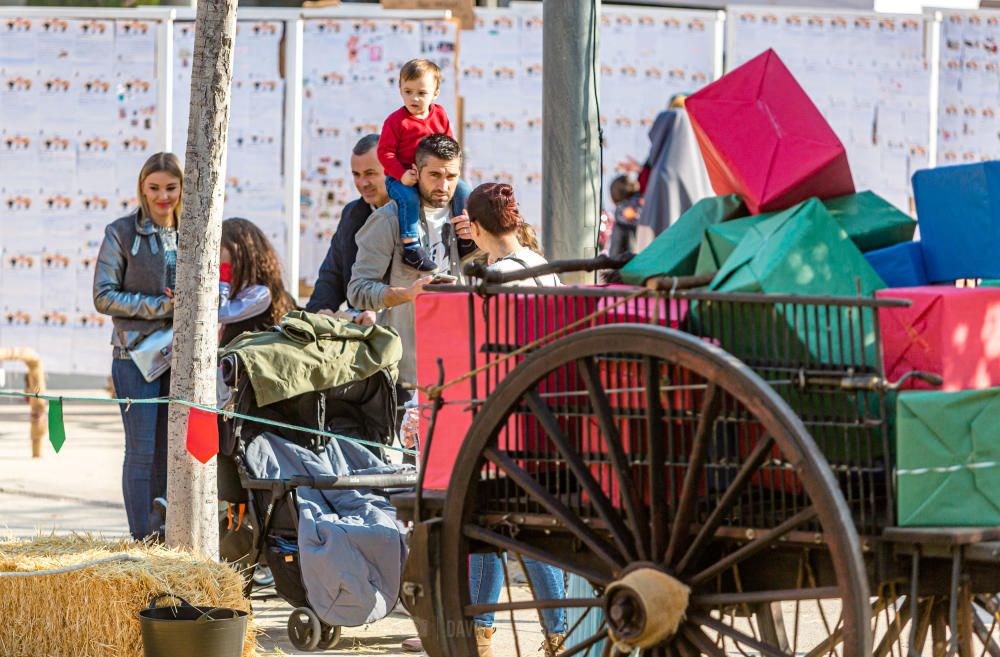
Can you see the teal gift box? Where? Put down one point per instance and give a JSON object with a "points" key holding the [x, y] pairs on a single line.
{"points": [[870, 221], [675, 250], [948, 458], [801, 251]]}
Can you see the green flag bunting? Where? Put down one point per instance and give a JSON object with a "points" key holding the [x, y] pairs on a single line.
{"points": [[57, 431]]}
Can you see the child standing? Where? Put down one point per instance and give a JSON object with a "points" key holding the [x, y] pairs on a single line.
{"points": [[628, 203], [420, 116]]}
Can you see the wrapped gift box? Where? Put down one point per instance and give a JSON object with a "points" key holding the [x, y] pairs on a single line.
{"points": [[763, 138], [674, 251], [870, 221], [900, 265], [950, 331], [948, 458], [958, 209], [801, 251]]}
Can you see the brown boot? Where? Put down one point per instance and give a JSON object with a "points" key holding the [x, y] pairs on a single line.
{"points": [[484, 640]]}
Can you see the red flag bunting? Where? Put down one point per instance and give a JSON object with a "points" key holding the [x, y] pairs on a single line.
{"points": [[202, 434]]}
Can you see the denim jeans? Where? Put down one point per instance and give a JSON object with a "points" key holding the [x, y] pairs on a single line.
{"points": [[408, 204], [144, 473], [486, 580]]}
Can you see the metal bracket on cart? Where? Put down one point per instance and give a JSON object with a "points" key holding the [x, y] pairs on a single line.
{"points": [[863, 382]]}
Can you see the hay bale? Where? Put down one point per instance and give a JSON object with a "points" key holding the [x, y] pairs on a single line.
{"points": [[91, 612]]}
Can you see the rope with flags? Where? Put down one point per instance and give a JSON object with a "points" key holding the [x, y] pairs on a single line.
{"points": [[202, 439]]}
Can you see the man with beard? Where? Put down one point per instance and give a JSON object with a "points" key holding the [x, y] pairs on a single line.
{"points": [[380, 281]]}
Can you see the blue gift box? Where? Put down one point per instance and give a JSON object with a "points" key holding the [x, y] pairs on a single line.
{"points": [[958, 211], [900, 265]]}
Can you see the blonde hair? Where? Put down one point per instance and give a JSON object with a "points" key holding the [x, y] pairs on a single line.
{"points": [[418, 68], [167, 163]]}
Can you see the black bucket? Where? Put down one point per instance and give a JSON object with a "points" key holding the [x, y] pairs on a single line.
{"points": [[192, 631]]}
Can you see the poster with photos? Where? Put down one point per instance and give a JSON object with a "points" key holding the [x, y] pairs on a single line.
{"points": [[78, 116], [969, 88], [350, 86]]}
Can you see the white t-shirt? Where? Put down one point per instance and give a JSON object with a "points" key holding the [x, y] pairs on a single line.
{"points": [[525, 258], [436, 218]]}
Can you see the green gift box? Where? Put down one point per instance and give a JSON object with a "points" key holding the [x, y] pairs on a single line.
{"points": [[948, 458], [800, 251], [870, 221], [675, 251]]}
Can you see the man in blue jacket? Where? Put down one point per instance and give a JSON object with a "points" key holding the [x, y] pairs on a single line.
{"points": [[330, 291]]}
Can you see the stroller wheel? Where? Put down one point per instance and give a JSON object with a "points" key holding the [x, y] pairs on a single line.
{"points": [[304, 629], [329, 637]]}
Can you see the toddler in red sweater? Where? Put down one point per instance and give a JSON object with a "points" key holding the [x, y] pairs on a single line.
{"points": [[420, 116]]}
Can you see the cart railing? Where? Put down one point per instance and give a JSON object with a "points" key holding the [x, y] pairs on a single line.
{"points": [[821, 354]]}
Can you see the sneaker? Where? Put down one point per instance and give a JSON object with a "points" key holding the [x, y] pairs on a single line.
{"points": [[415, 256], [552, 645], [262, 576], [412, 645]]}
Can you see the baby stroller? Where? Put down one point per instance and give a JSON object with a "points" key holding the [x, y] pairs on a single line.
{"points": [[316, 508]]}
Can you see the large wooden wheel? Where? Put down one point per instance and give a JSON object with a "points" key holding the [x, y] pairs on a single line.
{"points": [[673, 482]]}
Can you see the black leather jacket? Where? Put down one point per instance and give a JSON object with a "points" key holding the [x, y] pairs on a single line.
{"points": [[129, 278]]}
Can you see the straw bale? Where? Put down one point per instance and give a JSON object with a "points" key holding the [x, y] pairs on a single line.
{"points": [[92, 612]]}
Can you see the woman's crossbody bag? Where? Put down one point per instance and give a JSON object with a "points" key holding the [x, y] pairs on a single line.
{"points": [[152, 354]]}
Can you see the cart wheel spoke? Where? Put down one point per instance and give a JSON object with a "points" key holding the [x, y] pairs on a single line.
{"points": [[710, 407], [559, 510], [613, 442], [513, 545], [729, 497], [584, 646], [658, 480], [768, 539], [619, 532], [737, 636], [701, 642]]}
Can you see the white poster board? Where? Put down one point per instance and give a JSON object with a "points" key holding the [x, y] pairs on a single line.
{"points": [[79, 114], [968, 87], [646, 56], [350, 85]]}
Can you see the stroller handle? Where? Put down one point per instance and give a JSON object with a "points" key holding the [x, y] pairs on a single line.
{"points": [[332, 482]]}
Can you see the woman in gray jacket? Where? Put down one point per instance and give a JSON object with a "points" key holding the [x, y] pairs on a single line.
{"points": [[133, 283]]}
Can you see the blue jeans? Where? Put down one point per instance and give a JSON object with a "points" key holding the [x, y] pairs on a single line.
{"points": [[408, 204], [144, 474], [486, 580]]}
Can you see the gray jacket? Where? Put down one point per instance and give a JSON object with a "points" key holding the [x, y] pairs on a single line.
{"points": [[379, 265], [129, 278]]}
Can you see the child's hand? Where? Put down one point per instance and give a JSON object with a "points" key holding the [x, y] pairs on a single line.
{"points": [[410, 177]]}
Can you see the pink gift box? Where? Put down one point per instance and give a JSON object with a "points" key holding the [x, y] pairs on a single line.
{"points": [[950, 331], [763, 138]]}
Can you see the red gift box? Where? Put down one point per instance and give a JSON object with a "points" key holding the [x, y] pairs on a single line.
{"points": [[763, 138], [950, 331]]}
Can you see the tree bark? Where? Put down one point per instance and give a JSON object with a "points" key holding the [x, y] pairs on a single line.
{"points": [[192, 518]]}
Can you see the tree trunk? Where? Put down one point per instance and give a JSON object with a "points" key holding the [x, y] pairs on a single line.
{"points": [[193, 519]]}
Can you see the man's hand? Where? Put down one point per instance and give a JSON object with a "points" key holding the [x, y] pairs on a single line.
{"points": [[365, 318], [410, 177], [417, 286], [328, 313], [462, 225]]}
